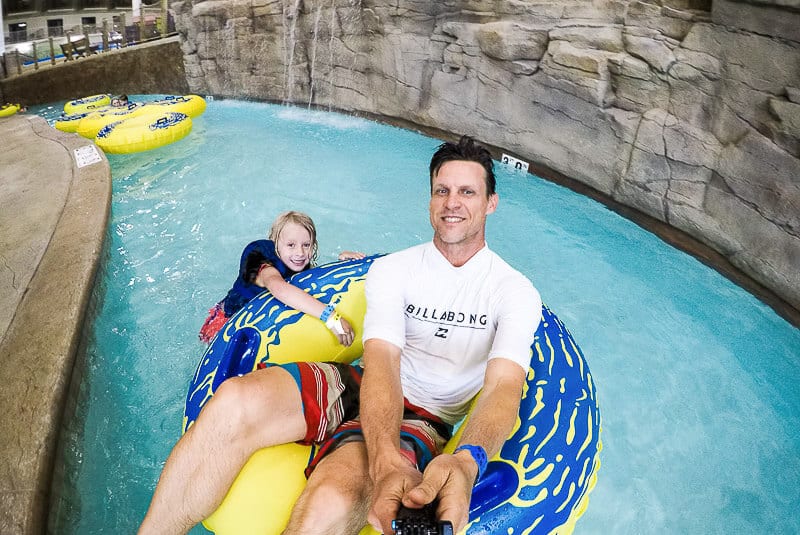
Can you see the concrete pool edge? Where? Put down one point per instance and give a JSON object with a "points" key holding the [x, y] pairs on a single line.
{"points": [[39, 347]]}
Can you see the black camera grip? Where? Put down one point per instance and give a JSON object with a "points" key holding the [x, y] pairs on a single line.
{"points": [[420, 522]]}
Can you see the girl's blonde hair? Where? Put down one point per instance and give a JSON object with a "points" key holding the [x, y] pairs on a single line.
{"points": [[298, 218]]}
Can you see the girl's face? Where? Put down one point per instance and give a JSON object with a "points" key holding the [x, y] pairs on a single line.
{"points": [[294, 246]]}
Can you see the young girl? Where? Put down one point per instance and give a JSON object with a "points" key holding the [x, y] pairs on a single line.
{"points": [[291, 248]]}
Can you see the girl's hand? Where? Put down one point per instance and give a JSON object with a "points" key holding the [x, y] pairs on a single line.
{"points": [[342, 329], [349, 334], [351, 255]]}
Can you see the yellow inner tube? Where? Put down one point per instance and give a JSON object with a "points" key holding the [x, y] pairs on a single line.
{"points": [[143, 132], [69, 123], [191, 105], [86, 103], [540, 481], [7, 110], [93, 122]]}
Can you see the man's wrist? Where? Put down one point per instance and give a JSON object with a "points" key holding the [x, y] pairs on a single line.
{"points": [[388, 461], [478, 454]]}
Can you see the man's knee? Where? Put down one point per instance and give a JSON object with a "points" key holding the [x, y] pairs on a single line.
{"points": [[265, 405], [327, 498], [229, 394], [329, 507], [231, 404], [337, 496]]}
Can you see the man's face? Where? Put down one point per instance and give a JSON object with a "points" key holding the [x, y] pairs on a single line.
{"points": [[459, 204]]}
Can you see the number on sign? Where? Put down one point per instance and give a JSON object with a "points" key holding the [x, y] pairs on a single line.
{"points": [[518, 165]]}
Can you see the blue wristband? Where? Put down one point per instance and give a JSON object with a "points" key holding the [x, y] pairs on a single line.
{"points": [[479, 455], [326, 313]]}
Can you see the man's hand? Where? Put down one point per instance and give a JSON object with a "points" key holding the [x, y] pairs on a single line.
{"points": [[388, 493], [449, 478]]}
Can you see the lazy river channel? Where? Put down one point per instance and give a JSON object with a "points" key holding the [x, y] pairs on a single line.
{"points": [[698, 382]]}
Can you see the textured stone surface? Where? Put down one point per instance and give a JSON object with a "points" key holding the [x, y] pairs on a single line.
{"points": [[64, 238], [778, 18], [785, 129], [683, 109]]}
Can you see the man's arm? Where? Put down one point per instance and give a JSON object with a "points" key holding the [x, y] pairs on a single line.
{"points": [[451, 477], [381, 415]]}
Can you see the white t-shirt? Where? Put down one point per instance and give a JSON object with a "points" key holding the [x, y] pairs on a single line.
{"points": [[449, 321]]}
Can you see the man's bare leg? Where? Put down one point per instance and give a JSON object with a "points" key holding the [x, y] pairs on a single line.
{"points": [[337, 497], [247, 413]]}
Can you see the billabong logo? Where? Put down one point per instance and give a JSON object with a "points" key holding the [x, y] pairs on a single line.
{"points": [[448, 317]]}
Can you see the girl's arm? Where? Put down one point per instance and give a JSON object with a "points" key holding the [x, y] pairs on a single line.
{"points": [[270, 278]]}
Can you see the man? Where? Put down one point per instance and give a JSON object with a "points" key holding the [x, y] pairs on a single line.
{"points": [[444, 320]]}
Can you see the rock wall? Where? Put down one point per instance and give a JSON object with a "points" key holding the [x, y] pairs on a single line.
{"points": [[687, 110]]}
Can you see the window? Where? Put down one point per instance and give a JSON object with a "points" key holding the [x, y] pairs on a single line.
{"points": [[89, 24], [55, 27], [18, 32]]}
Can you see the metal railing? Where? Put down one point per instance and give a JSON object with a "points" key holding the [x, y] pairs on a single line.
{"points": [[75, 45], [18, 36]]}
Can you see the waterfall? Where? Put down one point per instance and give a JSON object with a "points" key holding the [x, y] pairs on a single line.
{"points": [[230, 56], [332, 32], [313, 59], [291, 12], [315, 48]]}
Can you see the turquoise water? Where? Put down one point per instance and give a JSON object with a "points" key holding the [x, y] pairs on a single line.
{"points": [[697, 380]]}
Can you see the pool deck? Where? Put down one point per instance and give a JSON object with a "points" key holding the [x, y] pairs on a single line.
{"points": [[54, 209]]}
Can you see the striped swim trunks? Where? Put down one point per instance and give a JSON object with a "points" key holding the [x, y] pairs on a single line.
{"points": [[330, 395]]}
